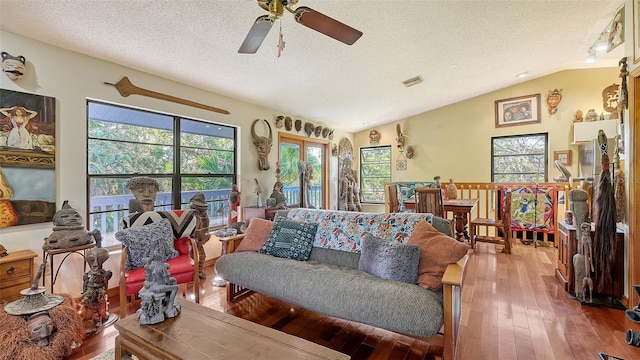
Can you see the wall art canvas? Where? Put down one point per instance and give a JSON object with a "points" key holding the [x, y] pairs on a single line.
{"points": [[518, 110], [27, 158], [532, 207]]}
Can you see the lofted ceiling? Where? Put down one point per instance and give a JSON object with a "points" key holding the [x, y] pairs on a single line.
{"points": [[460, 48]]}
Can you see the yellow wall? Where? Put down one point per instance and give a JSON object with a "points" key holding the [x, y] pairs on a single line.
{"points": [[455, 141], [72, 78]]}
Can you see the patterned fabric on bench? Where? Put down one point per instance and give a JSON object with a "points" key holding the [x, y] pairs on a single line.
{"points": [[343, 230]]}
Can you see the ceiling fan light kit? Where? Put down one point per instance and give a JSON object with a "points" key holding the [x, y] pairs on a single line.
{"points": [[303, 15]]}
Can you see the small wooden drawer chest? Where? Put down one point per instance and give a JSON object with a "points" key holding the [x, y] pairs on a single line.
{"points": [[16, 274]]}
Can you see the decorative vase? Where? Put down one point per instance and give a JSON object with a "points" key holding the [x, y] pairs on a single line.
{"points": [[452, 190]]}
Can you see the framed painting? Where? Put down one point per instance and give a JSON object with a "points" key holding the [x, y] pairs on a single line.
{"points": [[636, 31], [616, 30], [27, 158], [518, 110], [564, 157]]}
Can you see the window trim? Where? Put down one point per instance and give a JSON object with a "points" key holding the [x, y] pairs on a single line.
{"points": [[544, 172]]}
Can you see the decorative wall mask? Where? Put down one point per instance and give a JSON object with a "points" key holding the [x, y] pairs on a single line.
{"points": [[308, 128], [410, 153], [298, 125], [325, 132], [334, 149], [263, 145], [13, 66], [318, 131], [279, 122], [287, 123], [330, 136], [374, 137], [578, 117], [553, 100]]}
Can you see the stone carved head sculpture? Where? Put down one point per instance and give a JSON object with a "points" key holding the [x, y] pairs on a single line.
{"points": [[145, 190], [263, 145], [68, 230]]}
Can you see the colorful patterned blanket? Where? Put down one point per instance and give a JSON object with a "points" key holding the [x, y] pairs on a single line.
{"points": [[343, 230], [532, 208]]}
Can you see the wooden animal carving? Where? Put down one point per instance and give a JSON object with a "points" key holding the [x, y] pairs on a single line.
{"points": [[263, 145]]}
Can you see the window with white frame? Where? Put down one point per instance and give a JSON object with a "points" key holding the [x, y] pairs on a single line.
{"points": [[184, 156], [375, 171]]}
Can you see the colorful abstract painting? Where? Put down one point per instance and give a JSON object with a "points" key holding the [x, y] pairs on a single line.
{"points": [[532, 207]]}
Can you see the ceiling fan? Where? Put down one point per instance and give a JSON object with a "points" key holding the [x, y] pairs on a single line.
{"points": [[303, 15]]}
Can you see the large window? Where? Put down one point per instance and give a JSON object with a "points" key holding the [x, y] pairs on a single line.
{"points": [[375, 171], [519, 158], [185, 156]]}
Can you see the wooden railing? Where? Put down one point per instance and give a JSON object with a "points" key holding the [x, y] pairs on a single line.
{"points": [[487, 195]]}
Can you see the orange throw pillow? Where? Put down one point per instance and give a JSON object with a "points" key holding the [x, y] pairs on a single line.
{"points": [[437, 250], [256, 235]]}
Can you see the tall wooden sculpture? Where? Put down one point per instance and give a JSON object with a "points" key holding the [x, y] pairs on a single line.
{"points": [[604, 245]]}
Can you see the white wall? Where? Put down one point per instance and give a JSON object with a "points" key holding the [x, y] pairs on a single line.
{"points": [[72, 78]]}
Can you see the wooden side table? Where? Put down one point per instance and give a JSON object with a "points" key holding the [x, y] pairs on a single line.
{"points": [[16, 274]]}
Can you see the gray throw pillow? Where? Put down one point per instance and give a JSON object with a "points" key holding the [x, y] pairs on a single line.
{"points": [[389, 260], [290, 240], [143, 240]]}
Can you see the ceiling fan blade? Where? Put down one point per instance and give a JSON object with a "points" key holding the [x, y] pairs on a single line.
{"points": [[326, 25], [256, 35]]}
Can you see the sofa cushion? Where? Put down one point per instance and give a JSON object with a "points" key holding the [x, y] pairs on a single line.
{"points": [[437, 250], [290, 239], [256, 235], [389, 260], [141, 240]]}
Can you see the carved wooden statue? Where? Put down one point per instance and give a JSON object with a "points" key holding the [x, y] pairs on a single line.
{"points": [[587, 282], [94, 307], [159, 291], [68, 230], [263, 145], [201, 207]]}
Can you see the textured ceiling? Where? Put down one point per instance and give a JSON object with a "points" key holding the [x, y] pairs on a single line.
{"points": [[461, 48]]}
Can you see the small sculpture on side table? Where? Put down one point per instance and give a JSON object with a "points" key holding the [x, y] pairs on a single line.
{"points": [[159, 291]]}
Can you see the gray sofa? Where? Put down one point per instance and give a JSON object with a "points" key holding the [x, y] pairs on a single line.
{"points": [[331, 284]]}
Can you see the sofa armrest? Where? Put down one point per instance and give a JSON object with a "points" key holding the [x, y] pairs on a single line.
{"points": [[452, 288]]}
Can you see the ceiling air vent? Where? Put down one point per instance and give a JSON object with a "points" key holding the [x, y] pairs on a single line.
{"points": [[413, 81]]}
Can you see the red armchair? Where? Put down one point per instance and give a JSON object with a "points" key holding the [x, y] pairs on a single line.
{"points": [[183, 268]]}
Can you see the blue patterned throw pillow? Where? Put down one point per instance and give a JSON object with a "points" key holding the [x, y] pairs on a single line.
{"points": [[290, 240]]}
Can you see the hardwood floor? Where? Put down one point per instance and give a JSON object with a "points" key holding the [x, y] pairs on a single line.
{"points": [[513, 308]]}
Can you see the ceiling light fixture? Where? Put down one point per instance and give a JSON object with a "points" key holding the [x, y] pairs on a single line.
{"points": [[522, 75], [591, 58]]}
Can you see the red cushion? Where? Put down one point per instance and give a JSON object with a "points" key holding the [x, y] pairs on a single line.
{"points": [[181, 268], [182, 245]]}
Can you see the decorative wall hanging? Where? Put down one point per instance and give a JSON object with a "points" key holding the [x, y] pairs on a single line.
{"points": [[298, 125], [610, 98], [374, 137], [325, 132], [401, 162], [13, 66], [27, 158], [518, 110], [288, 123], [399, 137], [279, 122], [553, 100], [334, 149], [623, 101], [126, 88], [330, 136], [263, 145], [616, 31], [564, 157], [318, 131]]}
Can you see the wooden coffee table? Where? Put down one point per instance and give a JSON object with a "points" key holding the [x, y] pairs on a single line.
{"points": [[202, 333]]}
